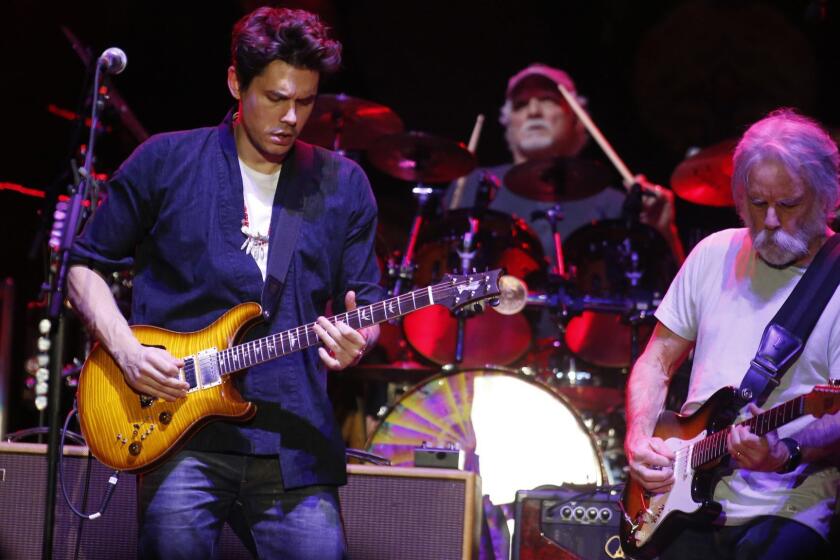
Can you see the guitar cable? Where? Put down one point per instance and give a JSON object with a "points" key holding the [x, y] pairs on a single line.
{"points": [[109, 490]]}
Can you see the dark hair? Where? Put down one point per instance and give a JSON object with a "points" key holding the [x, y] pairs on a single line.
{"points": [[296, 37]]}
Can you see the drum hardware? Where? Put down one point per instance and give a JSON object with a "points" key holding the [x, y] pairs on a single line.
{"points": [[422, 194], [553, 216], [340, 122]]}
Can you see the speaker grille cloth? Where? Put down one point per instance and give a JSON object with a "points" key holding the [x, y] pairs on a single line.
{"points": [[408, 518]]}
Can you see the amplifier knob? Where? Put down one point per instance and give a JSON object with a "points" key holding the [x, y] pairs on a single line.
{"points": [[579, 512], [606, 514], [566, 512], [592, 514]]}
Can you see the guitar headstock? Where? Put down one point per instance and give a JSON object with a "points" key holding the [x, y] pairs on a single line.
{"points": [[458, 290], [823, 399]]}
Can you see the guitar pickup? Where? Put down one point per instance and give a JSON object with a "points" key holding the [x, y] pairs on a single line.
{"points": [[202, 370]]}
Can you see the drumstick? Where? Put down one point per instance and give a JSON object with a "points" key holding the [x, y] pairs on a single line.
{"points": [[599, 138], [459, 185]]}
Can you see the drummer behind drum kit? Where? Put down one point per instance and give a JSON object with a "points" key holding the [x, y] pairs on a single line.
{"points": [[558, 418]]}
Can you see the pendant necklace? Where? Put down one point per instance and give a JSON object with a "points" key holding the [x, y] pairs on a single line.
{"points": [[255, 244]]}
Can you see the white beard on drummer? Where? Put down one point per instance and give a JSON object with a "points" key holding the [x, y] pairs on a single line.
{"points": [[535, 134]]}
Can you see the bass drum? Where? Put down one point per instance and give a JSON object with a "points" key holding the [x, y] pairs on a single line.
{"points": [[502, 241], [516, 432]]}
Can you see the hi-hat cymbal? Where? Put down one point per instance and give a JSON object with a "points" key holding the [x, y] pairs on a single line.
{"points": [[705, 178], [348, 123], [421, 157], [557, 179]]}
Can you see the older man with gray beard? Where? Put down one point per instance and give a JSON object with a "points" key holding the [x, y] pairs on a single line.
{"points": [[779, 497], [540, 125]]}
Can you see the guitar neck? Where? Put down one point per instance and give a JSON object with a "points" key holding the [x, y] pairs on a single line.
{"points": [[713, 447], [276, 345]]}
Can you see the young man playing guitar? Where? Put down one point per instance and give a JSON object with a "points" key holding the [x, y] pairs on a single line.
{"points": [[205, 216], [777, 494]]}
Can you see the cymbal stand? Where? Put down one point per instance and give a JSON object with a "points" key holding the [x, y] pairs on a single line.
{"points": [[405, 274], [467, 255], [633, 273], [553, 215]]}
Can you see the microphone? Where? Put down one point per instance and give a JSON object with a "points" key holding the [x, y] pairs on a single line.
{"points": [[113, 60]]}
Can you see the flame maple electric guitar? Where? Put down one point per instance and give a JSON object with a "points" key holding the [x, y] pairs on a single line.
{"points": [[128, 431], [650, 521]]}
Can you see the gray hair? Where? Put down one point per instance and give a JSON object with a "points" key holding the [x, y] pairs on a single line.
{"points": [[800, 144]]}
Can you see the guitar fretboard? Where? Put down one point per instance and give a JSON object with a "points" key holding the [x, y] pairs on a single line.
{"points": [[276, 345], [713, 447]]}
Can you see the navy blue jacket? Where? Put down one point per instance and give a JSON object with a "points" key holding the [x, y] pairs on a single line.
{"points": [[173, 213]]}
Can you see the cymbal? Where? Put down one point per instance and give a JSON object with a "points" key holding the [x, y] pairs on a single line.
{"points": [[557, 179], [705, 178], [395, 372], [348, 123], [420, 157]]}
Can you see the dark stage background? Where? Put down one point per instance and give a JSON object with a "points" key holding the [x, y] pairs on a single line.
{"points": [[660, 77]]}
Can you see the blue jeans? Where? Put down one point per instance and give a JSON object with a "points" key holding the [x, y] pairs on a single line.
{"points": [[185, 502], [764, 538]]}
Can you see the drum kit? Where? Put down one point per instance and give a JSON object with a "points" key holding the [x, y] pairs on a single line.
{"points": [[526, 409], [526, 412]]}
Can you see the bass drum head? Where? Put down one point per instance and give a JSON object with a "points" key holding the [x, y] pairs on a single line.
{"points": [[517, 431]]}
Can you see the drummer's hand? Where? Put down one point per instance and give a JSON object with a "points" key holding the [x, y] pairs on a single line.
{"points": [[657, 205], [651, 463], [342, 345]]}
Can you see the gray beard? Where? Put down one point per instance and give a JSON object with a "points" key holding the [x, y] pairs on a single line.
{"points": [[534, 142], [779, 248]]}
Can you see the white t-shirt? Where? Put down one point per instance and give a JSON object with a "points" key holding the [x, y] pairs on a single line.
{"points": [[723, 298], [258, 190]]}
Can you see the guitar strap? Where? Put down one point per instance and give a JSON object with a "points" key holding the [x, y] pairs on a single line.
{"points": [[287, 214], [788, 331]]}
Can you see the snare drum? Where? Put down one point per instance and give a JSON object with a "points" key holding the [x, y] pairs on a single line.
{"points": [[521, 431]]}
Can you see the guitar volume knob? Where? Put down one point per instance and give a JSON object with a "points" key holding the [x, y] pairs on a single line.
{"points": [[135, 448], [165, 418]]}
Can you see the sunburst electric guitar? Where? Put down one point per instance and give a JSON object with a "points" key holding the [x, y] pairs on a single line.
{"points": [[132, 432], [650, 521]]}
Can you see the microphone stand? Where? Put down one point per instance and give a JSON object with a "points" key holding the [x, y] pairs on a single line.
{"points": [[85, 189]]}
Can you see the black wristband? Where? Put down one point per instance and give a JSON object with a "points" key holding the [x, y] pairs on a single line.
{"points": [[794, 455]]}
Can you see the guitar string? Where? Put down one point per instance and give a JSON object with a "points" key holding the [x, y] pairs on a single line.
{"points": [[439, 291]]}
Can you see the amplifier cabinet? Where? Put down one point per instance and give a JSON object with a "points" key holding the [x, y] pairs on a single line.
{"points": [[388, 512], [411, 513], [23, 480], [568, 523]]}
